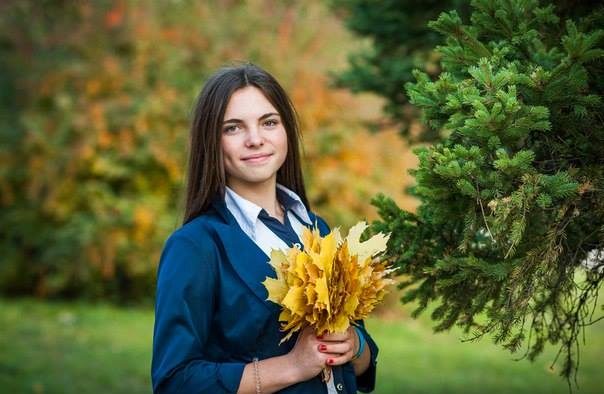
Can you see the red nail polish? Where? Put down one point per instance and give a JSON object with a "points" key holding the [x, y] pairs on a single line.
{"points": [[330, 361], [319, 336], [322, 347]]}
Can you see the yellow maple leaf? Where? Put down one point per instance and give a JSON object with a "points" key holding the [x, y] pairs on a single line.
{"points": [[369, 248], [276, 288], [294, 300], [322, 292], [327, 253]]}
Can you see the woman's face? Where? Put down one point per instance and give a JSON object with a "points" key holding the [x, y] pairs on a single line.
{"points": [[253, 140]]}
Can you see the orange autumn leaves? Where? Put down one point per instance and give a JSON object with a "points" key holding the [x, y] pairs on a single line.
{"points": [[331, 283]]}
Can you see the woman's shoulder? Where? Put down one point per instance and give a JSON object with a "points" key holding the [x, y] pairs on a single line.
{"points": [[197, 231], [189, 252], [189, 258]]}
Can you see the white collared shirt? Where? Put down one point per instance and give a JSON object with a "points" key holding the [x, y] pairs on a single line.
{"points": [[246, 214]]}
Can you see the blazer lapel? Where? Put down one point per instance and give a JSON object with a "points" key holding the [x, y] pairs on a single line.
{"points": [[248, 260]]}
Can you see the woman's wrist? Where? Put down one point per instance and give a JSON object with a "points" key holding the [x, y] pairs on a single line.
{"points": [[292, 370]]}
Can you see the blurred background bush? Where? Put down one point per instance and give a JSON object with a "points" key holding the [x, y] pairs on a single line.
{"points": [[96, 98]]}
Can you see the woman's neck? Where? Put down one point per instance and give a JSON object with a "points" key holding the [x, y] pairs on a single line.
{"points": [[263, 195]]}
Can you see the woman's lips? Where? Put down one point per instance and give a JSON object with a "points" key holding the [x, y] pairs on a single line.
{"points": [[260, 158]]}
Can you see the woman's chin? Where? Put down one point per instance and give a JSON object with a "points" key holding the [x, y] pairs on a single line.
{"points": [[256, 178]]}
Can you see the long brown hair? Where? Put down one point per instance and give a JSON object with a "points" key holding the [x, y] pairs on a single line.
{"points": [[206, 177]]}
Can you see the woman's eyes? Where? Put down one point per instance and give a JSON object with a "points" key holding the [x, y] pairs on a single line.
{"points": [[269, 123], [230, 129]]}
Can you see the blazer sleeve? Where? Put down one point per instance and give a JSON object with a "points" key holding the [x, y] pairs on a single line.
{"points": [[186, 284], [366, 381]]}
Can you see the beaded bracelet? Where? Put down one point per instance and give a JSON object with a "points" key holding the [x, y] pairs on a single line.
{"points": [[361, 343], [257, 376]]}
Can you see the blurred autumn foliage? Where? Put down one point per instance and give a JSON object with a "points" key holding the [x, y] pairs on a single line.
{"points": [[95, 103]]}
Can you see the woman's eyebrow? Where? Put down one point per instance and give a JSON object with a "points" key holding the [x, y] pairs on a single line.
{"points": [[234, 120], [268, 115]]}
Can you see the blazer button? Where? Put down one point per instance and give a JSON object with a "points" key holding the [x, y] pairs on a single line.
{"points": [[340, 386]]}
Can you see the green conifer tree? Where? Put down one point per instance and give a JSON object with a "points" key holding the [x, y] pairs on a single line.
{"points": [[400, 41], [509, 237]]}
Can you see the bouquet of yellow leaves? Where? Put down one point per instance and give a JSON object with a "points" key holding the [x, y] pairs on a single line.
{"points": [[331, 283]]}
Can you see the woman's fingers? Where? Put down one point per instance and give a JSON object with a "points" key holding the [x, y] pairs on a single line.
{"points": [[335, 359], [337, 348]]}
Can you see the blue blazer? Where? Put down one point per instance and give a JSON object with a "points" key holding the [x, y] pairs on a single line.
{"points": [[212, 316]]}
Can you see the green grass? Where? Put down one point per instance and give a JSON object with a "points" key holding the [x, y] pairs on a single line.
{"points": [[73, 348], [85, 348], [414, 360]]}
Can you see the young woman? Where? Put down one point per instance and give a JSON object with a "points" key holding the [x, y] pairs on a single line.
{"points": [[215, 332]]}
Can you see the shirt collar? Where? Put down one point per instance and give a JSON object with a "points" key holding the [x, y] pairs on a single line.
{"points": [[291, 201], [246, 212]]}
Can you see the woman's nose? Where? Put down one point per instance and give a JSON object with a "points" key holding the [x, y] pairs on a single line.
{"points": [[254, 136]]}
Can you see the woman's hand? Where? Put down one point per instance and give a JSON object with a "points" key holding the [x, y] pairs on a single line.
{"points": [[312, 353], [306, 358], [339, 348]]}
